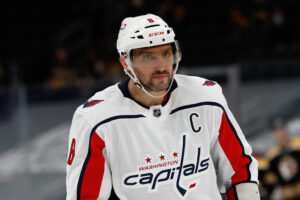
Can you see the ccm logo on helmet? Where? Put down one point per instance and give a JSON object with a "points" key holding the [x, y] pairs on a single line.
{"points": [[156, 33]]}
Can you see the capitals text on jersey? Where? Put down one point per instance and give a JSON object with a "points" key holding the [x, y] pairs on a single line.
{"points": [[152, 180]]}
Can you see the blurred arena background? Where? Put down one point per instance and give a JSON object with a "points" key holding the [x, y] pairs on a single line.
{"points": [[55, 54]]}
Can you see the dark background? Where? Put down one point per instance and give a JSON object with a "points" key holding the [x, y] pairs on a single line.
{"points": [[210, 33], [55, 54]]}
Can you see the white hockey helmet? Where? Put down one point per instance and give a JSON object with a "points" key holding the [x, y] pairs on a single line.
{"points": [[145, 31]]}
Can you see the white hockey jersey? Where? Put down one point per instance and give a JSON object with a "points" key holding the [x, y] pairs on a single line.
{"points": [[187, 148]]}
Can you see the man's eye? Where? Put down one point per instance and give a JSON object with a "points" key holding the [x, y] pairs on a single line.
{"points": [[166, 54], [148, 57]]}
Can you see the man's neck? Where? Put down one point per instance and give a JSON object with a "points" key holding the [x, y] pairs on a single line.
{"points": [[143, 98]]}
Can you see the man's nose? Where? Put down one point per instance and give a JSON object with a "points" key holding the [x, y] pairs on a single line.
{"points": [[161, 64]]}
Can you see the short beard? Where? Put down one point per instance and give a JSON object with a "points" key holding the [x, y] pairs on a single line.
{"points": [[151, 87]]}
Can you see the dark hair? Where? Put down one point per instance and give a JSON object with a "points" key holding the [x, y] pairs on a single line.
{"points": [[278, 123]]}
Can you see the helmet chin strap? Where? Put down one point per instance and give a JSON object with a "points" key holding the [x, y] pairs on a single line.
{"points": [[140, 85]]}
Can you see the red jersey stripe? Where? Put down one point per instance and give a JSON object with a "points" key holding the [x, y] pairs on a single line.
{"points": [[231, 194], [165, 98], [234, 151], [94, 171]]}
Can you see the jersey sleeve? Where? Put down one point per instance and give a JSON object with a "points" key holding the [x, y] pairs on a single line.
{"points": [[88, 172], [231, 153]]}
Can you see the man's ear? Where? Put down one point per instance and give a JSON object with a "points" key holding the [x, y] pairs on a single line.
{"points": [[123, 62]]}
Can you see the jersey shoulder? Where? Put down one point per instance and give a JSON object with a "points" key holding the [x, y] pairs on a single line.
{"points": [[276, 150], [295, 143], [196, 82], [102, 105], [199, 88]]}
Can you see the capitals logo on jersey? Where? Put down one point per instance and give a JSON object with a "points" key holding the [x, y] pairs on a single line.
{"points": [[91, 103], [209, 83], [169, 172]]}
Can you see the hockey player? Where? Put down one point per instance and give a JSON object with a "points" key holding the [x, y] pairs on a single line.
{"points": [[157, 135], [282, 178]]}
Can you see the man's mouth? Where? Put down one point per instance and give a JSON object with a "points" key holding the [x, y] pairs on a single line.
{"points": [[160, 76]]}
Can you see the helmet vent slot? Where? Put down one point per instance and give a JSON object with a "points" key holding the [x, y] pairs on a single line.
{"points": [[136, 31], [140, 37], [168, 31], [152, 25], [132, 37]]}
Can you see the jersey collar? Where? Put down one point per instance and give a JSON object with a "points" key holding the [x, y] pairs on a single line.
{"points": [[123, 86]]}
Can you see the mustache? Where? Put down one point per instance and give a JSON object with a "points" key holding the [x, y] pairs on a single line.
{"points": [[161, 73]]}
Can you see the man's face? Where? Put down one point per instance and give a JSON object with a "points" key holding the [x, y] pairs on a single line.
{"points": [[154, 67], [281, 136]]}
